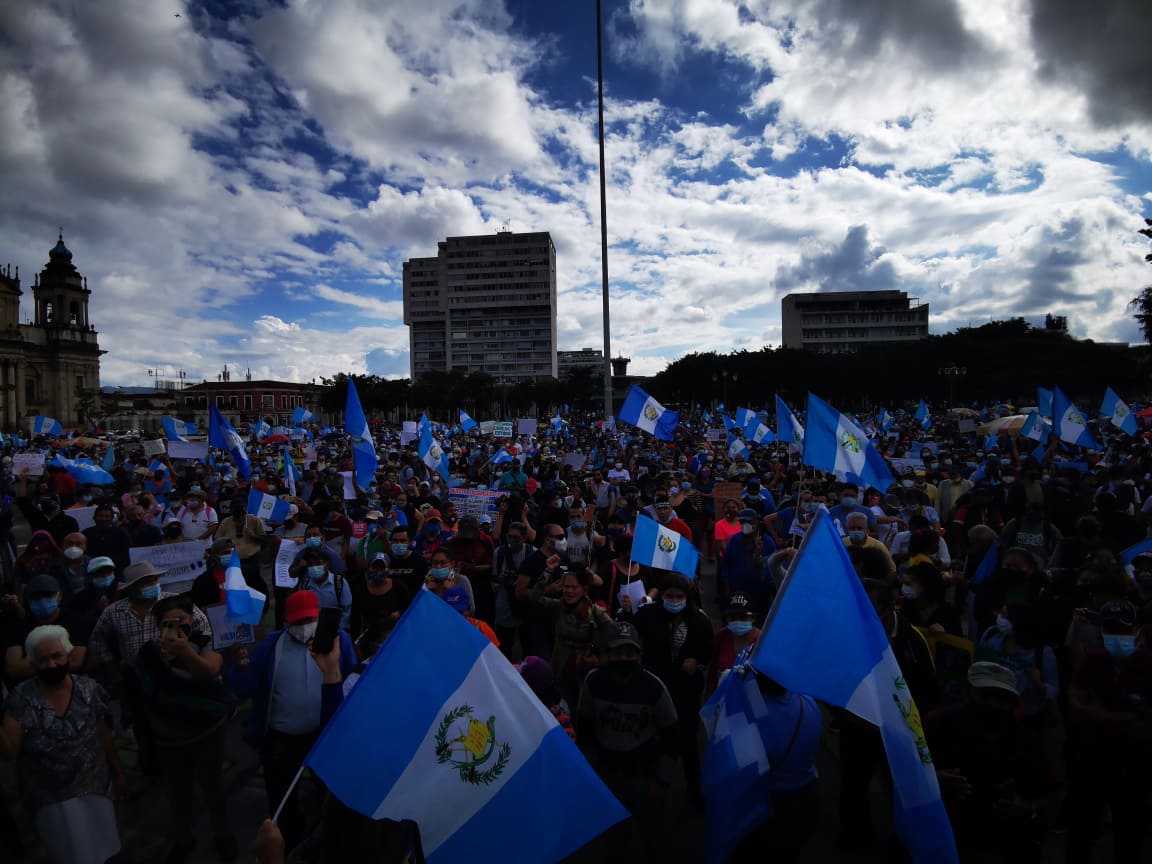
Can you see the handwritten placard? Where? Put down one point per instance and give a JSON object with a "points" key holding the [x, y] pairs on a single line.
{"points": [[285, 555], [34, 462], [183, 562]]}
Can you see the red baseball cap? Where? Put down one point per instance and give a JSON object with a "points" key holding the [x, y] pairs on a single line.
{"points": [[301, 605]]}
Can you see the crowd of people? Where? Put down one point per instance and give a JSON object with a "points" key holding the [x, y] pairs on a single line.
{"points": [[1009, 576]]}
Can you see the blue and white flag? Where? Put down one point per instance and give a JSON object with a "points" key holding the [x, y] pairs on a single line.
{"points": [[832, 442], [46, 426], [501, 457], [244, 605], [1044, 402], [84, 470], [467, 423], [757, 433], [221, 435], [303, 415], [177, 430], [644, 412], [1068, 424], [1035, 428], [364, 456], [737, 449], [706, 417], [885, 420], [109, 459], [1117, 410], [922, 416], [735, 770], [432, 454], [474, 756], [788, 428], [268, 507], [261, 429], [291, 471], [729, 423], [744, 416], [661, 547], [852, 666], [424, 423]]}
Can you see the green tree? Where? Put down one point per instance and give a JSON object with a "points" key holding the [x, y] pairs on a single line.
{"points": [[1142, 302]]}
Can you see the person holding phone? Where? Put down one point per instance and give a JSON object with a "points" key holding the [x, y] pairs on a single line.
{"points": [[286, 688], [187, 709]]}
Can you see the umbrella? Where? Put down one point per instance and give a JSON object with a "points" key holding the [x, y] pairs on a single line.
{"points": [[1145, 412], [1010, 425], [963, 412]]}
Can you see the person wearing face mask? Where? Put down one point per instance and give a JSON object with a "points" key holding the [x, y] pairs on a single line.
{"points": [[285, 685], [550, 559], [55, 727], [850, 503], [120, 632], [48, 516], [71, 569], [857, 537], [678, 639], [432, 535], [197, 518], [1110, 732], [140, 524], [314, 539], [1015, 640], [727, 527], [98, 594], [743, 566], [408, 569], [738, 633], [248, 535], [378, 604], [472, 556], [442, 575], [922, 601], [107, 539], [618, 475], [331, 588], [43, 604], [994, 777], [627, 727]]}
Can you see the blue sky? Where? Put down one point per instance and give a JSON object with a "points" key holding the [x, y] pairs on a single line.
{"points": [[241, 181]]}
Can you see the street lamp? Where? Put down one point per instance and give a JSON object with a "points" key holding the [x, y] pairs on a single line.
{"points": [[951, 373]]}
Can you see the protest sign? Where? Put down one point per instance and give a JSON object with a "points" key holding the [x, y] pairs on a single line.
{"points": [[901, 466], [34, 462], [285, 555], [526, 426], [154, 448], [84, 516], [502, 429], [487, 427], [408, 432], [188, 449], [475, 502], [634, 590], [714, 435], [576, 460], [967, 425], [359, 530], [182, 562], [227, 633], [349, 486]]}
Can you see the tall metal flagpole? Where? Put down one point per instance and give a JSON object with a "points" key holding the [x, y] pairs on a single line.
{"points": [[603, 219]]}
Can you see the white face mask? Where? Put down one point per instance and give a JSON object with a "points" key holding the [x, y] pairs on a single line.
{"points": [[302, 632], [73, 553]]}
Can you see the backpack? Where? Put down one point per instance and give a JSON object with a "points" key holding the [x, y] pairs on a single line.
{"points": [[337, 584]]}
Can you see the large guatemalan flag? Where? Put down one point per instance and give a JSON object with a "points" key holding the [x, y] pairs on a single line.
{"points": [[442, 729]]}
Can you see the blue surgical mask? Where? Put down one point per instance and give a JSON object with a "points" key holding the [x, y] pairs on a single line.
{"points": [[399, 549], [740, 628], [1119, 646], [857, 536], [1003, 625], [909, 592], [313, 542], [151, 592], [577, 524], [317, 572], [43, 607], [812, 506], [675, 608], [847, 501], [103, 581], [440, 574]]}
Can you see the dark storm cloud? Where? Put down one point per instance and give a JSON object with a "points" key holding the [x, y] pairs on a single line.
{"points": [[1102, 47], [854, 265], [1050, 276]]}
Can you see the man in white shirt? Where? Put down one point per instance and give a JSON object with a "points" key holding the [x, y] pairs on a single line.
{"points": [[199, 520], [618, 474]]}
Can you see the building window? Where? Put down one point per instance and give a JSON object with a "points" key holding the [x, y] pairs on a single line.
{"points": [[247, 402], [73, 313], [48, 310], [268, 401], [79, 382], [284, 402], [219, 401], [29, 390], [232, 402]]}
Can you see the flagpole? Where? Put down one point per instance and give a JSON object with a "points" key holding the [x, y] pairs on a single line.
{"points": [[284, 800], [603, 218]]}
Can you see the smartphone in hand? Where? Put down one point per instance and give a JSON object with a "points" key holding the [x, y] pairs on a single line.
{"points": [[327, 628]]}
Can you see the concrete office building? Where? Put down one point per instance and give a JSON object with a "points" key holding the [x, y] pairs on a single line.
{"points": [[591, 359], [485, 303], [842, 321]]}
